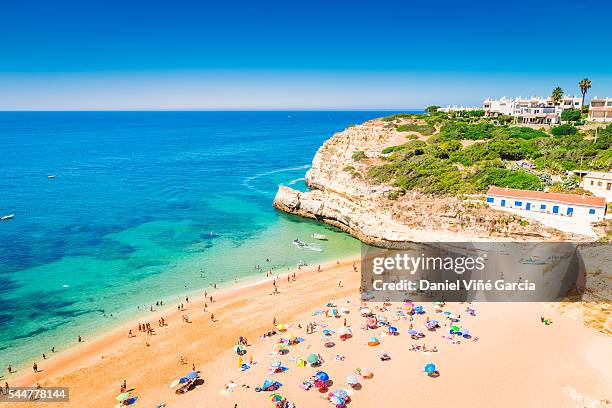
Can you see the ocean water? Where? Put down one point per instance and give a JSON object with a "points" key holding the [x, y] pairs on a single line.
{"points": [[140, 203]]}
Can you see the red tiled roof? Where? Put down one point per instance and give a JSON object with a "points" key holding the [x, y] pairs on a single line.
{"points": [[541, 195]]}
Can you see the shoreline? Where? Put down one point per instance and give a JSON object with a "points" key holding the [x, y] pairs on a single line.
{"points": [[512, 344], [77, 355]]}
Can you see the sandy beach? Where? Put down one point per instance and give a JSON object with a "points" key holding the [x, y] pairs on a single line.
{"points": [[511, 358]]}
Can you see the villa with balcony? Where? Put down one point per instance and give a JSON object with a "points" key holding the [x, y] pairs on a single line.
{"points": [[600, 110]]}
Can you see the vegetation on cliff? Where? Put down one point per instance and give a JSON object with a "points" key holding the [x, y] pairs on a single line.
{"points": [[469, 152]]}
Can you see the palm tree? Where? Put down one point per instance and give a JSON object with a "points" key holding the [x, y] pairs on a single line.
{"points": [[557, 95], [584, 85]]}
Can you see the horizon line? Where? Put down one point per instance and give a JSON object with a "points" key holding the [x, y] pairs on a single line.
{"points": [[220, 110]]}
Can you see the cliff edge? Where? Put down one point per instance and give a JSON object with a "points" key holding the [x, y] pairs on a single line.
{"points": [[342, 196]]}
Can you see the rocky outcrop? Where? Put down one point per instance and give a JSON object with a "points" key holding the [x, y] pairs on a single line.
{"points": [[341, 196]]}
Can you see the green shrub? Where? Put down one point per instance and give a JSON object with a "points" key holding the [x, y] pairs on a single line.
{"points": [[570, 115], [563, 130], [466, 131], [473, 154], [519, 132], [426, 130], [506, 178], [415, 146], [359, 155]]}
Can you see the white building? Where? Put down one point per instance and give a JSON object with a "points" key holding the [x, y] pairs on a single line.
{"points": [[563, 205], [600, 110], [456, 108], [534, 110], [598, 183], [496, 107]]}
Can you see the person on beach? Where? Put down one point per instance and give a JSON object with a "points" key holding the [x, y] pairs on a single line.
{"points": [[35, 367], [79, 339], [212, 317], [53, 349], [130, 335], [44, 356], [9, 368]]}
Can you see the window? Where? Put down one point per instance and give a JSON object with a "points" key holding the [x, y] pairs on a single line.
{"points": [[542, 207], [518, 203], [490, 199], [599, 184], [609, 186], [570, 211], [503, 203], [592, 182], [591, 211]]}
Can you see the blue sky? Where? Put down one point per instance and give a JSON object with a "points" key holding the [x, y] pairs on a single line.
{"points": [[296, 55]]}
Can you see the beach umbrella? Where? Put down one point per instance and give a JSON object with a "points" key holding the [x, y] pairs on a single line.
{"points": [[276, 364], [327, 332], [430, 368], [336, 401], [280, 345], [412, 332], [282, 327], [344, 310], [366, 373], [312, 358], [319, 384], [300, 362], [392, 329], [193, 375], [322, 375], [373, 341], [455, 329], [123, 396], [183, 380], [239, 348], [351, 380], [340, 393], [275, 397], [173, 384], [343, 331]]}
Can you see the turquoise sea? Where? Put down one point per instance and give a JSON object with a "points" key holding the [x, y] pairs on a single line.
{"points": [[140, 202]]}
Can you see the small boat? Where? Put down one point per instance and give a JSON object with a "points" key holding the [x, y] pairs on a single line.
{"points": [[306, 245], [533, 260], [7, 217], [51, 176], [319, 237]]}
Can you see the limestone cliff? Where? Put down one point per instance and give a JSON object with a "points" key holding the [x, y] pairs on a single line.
{"points": [[341, 196]]}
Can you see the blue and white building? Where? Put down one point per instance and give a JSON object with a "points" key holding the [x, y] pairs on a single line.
{"points": [[583, 207]]}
